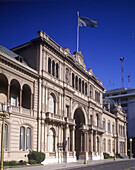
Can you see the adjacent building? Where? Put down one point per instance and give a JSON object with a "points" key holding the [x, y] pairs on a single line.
{"points": [[53, 96], [126, 98]]}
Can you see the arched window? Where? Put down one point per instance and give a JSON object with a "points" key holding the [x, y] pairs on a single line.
{"points": [[123, 131], [95, 95], [53, 68], [49, 65], [85, 88], [97, 144], [79, 84], [76, 82], [51, 104], [91, 91], [113, 145], [3, 88], [113, 130], [22, 138], [109, 127], [26, 97], [94, 142], [97, 120], [109, 145], [104, 145], [73, 77], [25, 138], [51, 141], [99, 97], [15, 93], [57, 70], [6, 138], [28, 139], [104, 124]]}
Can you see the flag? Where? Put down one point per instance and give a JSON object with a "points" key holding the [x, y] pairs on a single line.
{"points": [[86, 22]]}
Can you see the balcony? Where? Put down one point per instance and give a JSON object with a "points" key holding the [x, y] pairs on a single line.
{"points": [[52, 117], [69, 121], [100, 130]]}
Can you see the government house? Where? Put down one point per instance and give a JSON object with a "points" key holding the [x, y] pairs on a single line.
{"points": [[53, 96]]}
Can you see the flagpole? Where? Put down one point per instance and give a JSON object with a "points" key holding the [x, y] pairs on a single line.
{"points": [[77, 32]]}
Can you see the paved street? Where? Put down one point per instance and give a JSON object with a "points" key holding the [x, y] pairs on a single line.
{"points": [[124, 165], [119, 164]]}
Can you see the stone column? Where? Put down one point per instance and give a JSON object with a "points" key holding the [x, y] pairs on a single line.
{"points": [[64, 105], [125, 146], [42, 136], [81, 142], [66, 137], [8, 94], [31, 102], [56, 107], [43, 98], [70, 108], [46, 100], [46, 63], [101, 145], [20, 102], [59, 113], [39, 116], [91, 138], [44, 58], [95, 142], [73, 139]]}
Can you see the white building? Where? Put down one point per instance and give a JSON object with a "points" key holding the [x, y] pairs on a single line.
{"points": [[53, 95]]}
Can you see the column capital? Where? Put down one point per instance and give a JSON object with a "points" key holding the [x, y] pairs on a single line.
{"points": [[66, 126], [91, 131], [73, 127]]}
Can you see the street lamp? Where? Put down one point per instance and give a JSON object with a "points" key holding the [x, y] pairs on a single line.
{"points": [[5, 112], [130, 148], [85, 129], [114, 136]]}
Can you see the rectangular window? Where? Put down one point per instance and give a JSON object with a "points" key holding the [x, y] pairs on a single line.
{"points": [[67, 111], [22, 138], [28, 139], [113, 129], [6, 138], [104, 125], [109, 130]]}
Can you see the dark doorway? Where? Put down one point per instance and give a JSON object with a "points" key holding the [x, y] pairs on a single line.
{"points": [[79, 120]]}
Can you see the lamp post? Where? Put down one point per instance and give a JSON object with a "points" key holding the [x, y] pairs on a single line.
{"points": [[5, 112], [114, 136], [85, 129], [130, 148]]}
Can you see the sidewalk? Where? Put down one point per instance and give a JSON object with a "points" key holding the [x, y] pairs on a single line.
{"points": [[65, 166]]}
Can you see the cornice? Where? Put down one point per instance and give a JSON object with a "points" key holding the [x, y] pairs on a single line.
{"points": [[56, 50], [11, 62]]}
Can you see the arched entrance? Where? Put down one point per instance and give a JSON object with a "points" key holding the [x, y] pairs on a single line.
{"points": [[79, 137]]}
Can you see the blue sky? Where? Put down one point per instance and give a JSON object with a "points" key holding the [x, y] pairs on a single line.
{"points": [[101, 46]]}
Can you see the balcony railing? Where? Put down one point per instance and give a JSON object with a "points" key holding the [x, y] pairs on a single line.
{"points": [[54, 117]]}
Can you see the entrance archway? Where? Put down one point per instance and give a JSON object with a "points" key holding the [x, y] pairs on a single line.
{"points": [[79, 120]]}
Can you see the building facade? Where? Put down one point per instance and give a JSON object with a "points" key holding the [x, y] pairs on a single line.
{"points": [[126, 97], [55, 96]]}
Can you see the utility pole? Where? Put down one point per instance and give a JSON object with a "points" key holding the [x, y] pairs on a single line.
{"points": [[122, 59]]}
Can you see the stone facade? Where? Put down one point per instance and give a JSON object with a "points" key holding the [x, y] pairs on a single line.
{"points": [[62, 96]]}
